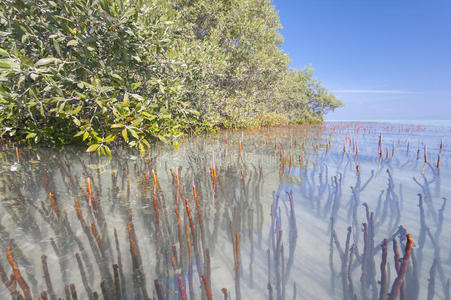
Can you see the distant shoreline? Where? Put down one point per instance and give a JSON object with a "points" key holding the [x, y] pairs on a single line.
{"points": [[443, 123]]}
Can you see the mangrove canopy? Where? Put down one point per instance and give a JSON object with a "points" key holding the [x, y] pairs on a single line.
{"points": [[106, 72]]}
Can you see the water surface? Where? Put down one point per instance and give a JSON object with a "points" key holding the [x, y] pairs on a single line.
{"points": [[248, 214]]}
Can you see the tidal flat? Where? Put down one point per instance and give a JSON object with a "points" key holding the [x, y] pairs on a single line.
{"points": [[342, 210]]}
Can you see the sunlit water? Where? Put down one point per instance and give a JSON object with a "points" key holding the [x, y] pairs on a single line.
{"points": [[271, 202]]}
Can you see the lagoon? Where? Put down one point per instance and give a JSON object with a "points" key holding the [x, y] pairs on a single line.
{"points": [[282, 213]]}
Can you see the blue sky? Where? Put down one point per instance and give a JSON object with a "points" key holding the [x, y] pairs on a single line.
{"points": [[386, 59]]}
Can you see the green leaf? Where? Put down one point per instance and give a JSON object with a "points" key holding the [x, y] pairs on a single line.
{"points": [[145, 142], [30, 135], [4, 53], [118, 125], [110, 138], [47, 61], [4, 65], [137, 122], [136, 85], [117, 77], [100, 103], [107, 150], [137, 97], [92, 148], [135, 135], [72, 43], [26, 60], [148, 116], [78, 133], [126, 99], [124, 134], [71, 30], [42, 110], [141, 148], [162, 138], [34, 76], [85, 135], [194, 112], [77, 110]]}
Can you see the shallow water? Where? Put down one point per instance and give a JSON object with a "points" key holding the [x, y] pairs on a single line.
{"points": [[271, 218]]}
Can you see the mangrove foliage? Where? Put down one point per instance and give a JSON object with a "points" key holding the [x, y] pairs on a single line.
{"points": [[108, 72]]}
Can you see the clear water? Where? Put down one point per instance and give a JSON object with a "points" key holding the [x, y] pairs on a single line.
{"points": [[270, 202]]}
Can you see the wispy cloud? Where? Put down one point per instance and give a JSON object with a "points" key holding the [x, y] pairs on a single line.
{"points": [[388, 92]]}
